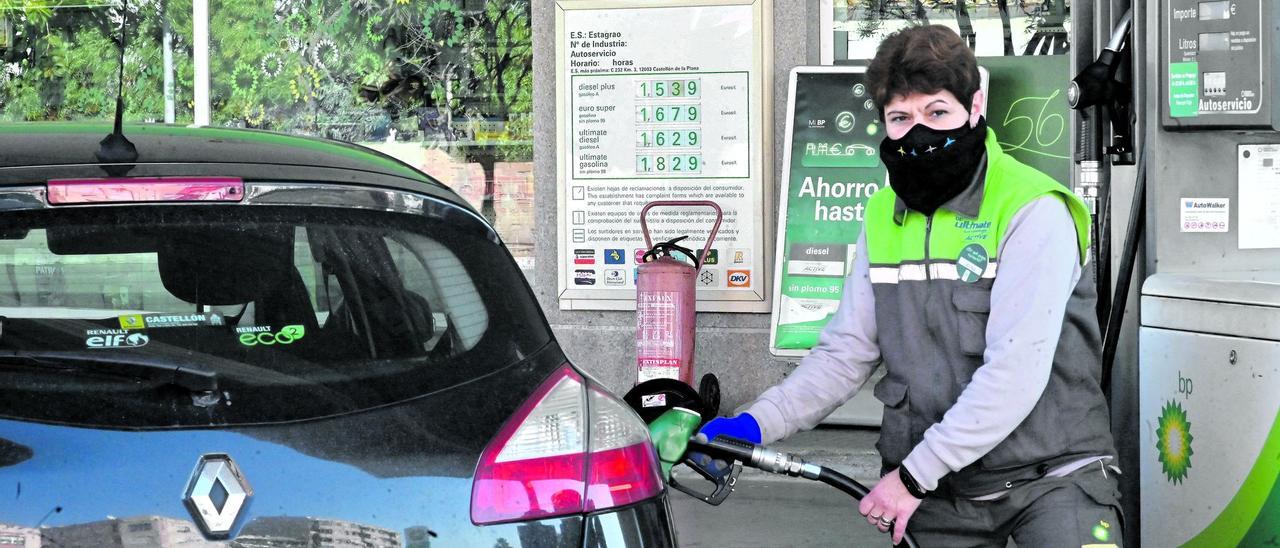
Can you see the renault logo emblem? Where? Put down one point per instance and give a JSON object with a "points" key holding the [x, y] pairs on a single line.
{"points": [[217, 494]]}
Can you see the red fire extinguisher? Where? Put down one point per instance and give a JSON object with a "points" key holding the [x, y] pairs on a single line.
{"points": [[665, 299]]}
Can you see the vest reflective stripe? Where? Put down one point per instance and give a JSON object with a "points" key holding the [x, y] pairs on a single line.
{"points": [[937, 270]]}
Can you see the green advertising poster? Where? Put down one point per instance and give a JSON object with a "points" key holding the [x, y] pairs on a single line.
{"points": [[1027, 108], [832, 166]]}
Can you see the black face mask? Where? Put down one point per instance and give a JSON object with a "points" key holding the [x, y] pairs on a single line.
{"points": [[927, 167]]}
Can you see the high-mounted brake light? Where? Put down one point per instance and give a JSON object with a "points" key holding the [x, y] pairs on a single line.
{"points": [[571, 448], [145, 189]]}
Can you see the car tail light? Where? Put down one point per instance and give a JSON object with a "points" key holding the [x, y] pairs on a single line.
{"points": [[571, 448], [146, 189]]}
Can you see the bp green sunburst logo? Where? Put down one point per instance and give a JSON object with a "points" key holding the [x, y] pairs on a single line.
{"points": [[1173, 441]]}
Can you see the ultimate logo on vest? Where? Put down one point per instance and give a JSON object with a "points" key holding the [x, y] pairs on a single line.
{"points": [[974, 230]]}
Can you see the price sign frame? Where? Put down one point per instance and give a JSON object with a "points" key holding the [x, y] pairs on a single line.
{"points": [[667, 62]]}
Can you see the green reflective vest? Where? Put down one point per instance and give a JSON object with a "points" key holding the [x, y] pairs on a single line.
{"points": [[932, 278]]}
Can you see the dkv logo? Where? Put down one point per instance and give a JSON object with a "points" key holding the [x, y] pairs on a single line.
{"points": [[739, 278]]}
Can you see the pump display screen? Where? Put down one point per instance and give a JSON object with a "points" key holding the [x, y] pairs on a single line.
{"points": [[1210, 11], [1215, 41], [1219, 62]]}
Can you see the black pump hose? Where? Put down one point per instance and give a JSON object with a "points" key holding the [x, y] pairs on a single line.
{"points": [[762, 458], [857, 491], [1137, 218], [842, 482]]}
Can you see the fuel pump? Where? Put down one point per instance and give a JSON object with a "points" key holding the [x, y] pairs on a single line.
{"points": [[1208, 344], [666, 296]]}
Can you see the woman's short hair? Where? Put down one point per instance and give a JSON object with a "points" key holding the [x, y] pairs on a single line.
{"points": [[922, 59]]}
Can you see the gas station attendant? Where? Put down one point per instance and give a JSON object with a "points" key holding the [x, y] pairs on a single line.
{"points": [[970, 288]]}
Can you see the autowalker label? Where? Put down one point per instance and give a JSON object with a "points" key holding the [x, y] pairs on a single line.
{"points": [[114, 338], [1205, 214], [263, 335]]}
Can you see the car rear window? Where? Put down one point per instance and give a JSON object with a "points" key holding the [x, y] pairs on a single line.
{"points": [[154, 316]]}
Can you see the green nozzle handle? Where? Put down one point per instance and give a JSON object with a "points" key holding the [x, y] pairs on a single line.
{"points": [[670, 433]]}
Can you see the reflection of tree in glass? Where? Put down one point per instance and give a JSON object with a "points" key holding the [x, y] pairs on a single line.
{"points": [[465, 76], [1046, 22], [1045, 19]]}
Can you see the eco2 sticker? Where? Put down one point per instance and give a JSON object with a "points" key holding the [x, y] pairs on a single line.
{"points": [[262, 334]]}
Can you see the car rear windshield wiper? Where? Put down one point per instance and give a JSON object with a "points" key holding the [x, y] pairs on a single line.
{"points": [[197, 381]]}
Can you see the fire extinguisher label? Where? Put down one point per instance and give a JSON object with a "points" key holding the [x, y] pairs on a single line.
{"points": [[657, 351], [650, 373]]}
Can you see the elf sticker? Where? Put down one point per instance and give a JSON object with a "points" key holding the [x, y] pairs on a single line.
{"points": [[972, 263]]}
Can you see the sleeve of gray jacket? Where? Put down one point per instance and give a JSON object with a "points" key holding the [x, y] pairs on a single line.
{"points": [[834, 370], [1038, 267]]}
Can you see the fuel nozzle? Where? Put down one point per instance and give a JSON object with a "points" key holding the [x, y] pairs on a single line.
{"points": [[756, 456], [670, 433]]}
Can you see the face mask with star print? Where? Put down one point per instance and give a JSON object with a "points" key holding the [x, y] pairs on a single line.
{"points": [[927, 167]]}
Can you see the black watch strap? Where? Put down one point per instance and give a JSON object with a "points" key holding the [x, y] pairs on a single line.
{"points": [[911, 484]]}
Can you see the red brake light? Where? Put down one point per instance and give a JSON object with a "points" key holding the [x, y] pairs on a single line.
{"points": [[146, 189], [554, 458]]}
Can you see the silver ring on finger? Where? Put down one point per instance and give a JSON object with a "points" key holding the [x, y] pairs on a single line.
{"points": [[885, 522]]}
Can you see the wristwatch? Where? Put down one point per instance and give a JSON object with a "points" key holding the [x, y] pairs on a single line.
{"points": [[911, 484]]}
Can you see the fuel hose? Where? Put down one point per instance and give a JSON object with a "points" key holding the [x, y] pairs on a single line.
{"points": [[763, 458]]}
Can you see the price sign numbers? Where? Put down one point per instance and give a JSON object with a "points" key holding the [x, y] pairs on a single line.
{"points": [[662, 89], [669, 138], [659, 164], [660, 114]]}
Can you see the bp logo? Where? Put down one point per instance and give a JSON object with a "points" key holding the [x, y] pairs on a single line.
{"points": [[1173, 442], [972, 263], [1102, 531]]}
